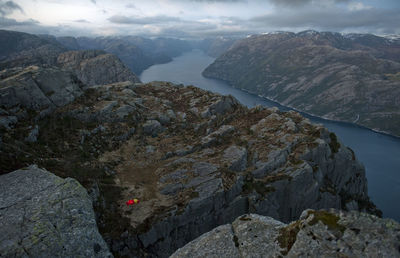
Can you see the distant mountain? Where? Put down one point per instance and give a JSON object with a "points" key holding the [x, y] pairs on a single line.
{"points": [[23, 49], [214, 47], [69, 42], [353, 78], [136, 52], [20, 50], [160, 46]]}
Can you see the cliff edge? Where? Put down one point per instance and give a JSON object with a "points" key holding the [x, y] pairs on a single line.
{"points": [[316, 234], [43, 215]]}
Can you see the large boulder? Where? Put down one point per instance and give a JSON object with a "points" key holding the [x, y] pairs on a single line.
{"points": [[315, 234], [236, 158], [95, 67], [43, 215]]}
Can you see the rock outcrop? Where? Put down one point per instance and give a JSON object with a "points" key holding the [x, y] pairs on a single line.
{"points": [[19, 49], [95, 67], [316, 234], [137, 53], [352, 78], [36, 90], [43, 215], [194, 159]]}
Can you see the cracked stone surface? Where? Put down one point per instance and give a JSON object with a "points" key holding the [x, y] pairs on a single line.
{"points": [[316, 234], [43, 215]]}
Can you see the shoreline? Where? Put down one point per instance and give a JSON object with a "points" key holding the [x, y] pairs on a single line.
{"points": [[307, 113]]}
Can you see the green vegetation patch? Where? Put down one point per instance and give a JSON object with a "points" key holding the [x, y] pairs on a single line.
{"points": [[393, 77], [260, 187], [353, 155], [334, 144], [327, 218], [287, 236]]}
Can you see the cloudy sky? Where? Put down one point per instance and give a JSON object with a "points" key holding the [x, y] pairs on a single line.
{"points": [[197, 18]]}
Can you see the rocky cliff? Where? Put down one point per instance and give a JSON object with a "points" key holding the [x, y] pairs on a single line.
{"points": [[43, 215], [136, 52], [90, 67], [19, 49], [194, 159], [34, 92], [23, 49], [94, 67], [352, 78], [316, 234]]}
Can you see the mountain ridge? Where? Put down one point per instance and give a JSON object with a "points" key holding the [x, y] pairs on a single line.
{"points": [[323, 74]]}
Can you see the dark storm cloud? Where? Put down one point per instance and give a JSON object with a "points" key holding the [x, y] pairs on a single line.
{"points": [[335, 19], [296, 3], [120, 19], [218, 1], [6, 22], [8, 7], [290, 2]]}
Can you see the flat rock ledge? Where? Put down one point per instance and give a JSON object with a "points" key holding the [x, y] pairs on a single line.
{"points": [[316, 234], [43, 215]]}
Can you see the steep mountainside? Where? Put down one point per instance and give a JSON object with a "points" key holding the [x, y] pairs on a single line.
{"points": [[352, 78], [19, 49], [216, 46], [95, 67], [23, 49], [70, 43], [194, 159], [316, 234], [131, 55], [136, 52]]}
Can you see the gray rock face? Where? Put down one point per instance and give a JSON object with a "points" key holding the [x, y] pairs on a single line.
{"points": [[8, 121], [214, 137], [236, 158], [216, 243], [37, 89], [94, 67], [220, 107], [316, 234], [152, 127], [194, 180], [33, 134], [204, 168], [43, 215]]}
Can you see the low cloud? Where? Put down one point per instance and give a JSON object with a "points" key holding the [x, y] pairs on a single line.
{"points": [[130, 6], [201, 18], [6, 22], [82, 21], [366, 20], [219, 1], [120, 19], [8, 7], [297, 3]]}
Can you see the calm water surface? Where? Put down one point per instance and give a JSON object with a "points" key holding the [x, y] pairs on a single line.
{"points": [[379, 153]]}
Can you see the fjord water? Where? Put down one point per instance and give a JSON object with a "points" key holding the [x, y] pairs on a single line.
{"points": [[379, 153]]}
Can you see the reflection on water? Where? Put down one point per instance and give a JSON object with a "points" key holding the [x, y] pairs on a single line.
{"points": [[379, 153]]}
